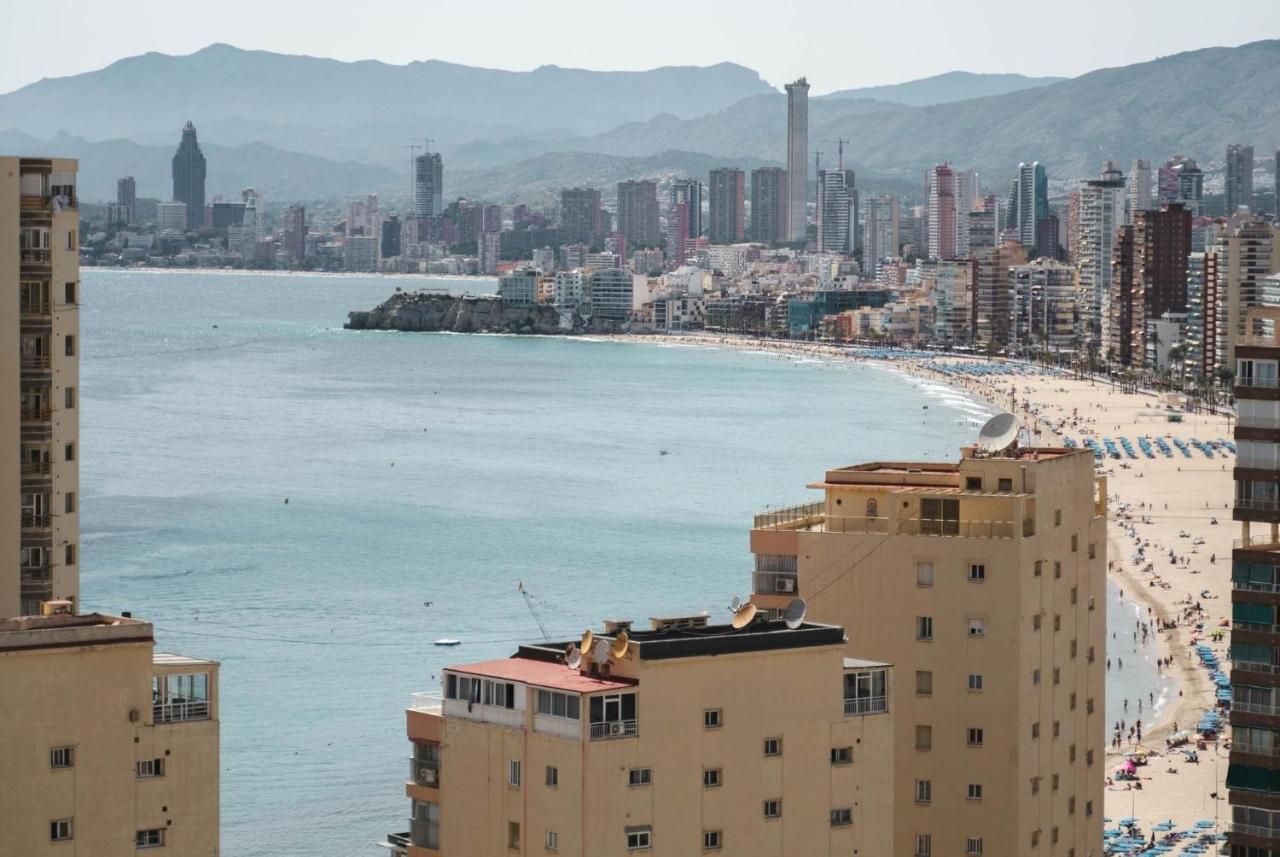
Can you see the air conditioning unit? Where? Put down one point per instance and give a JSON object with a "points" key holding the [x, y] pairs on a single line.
{"points": [[617, 728], [784, 584], [428, 776]]}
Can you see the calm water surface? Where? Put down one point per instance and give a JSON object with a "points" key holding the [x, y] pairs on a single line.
{"points": [[426, 475]]}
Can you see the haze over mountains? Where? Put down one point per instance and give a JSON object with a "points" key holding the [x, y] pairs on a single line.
{"points": [[306, 128]]}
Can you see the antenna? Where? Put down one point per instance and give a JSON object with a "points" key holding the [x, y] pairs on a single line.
{"points": [[528, 601], [999, 433], [795, 613], [734, 603], [743, 615], [620, 646], [573, 657], [840, 152], [413, 158], [426, 150]]}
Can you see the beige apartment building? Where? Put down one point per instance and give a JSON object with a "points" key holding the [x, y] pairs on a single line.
{"points": [[983, 582], [39, 427], [107, 747], [681, 738]]}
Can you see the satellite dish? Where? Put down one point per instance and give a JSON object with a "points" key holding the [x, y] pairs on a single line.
{"points": [[587, 639], [999, 433], [600, 654], [795, 613], [743, 615], [573, 657], [735, 603], [620, 645]]}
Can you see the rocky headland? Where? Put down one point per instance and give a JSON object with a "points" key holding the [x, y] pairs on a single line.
{"points": [[424, 311]]}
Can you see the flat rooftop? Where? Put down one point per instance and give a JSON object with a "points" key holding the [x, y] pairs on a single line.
{"points": [[169, 659], [541, 673], [762, 635], [932, 473], [71, 629]]}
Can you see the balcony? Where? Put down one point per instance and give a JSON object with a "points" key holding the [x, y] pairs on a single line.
{"points": [[431, 703], [1257, 505], [774, 583], [36, 575], [1257, 383], [34, 308], [35, 468], [1254, 830], [42, 258], [39, 415], [865, 705], [35, 362], [1255, 626], [1251, 667], [1257, 543], [177, 711], [1256, 749], [797, 517], [614, 729], [425, 773], [499, 715], [33, 521], [812, 517], [958, 529]]}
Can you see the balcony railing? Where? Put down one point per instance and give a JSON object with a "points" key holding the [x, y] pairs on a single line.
{"points": [[1260, 383], [790, 517], [865, 705], [1254, 830], [32, 521], [35, 468], [1257, 505], [40, 415], [425, 773], [178, 711], [35, 361], [1256, 749], [35, 257], [432, 703], [424, 834], [813, 516], [774, 583], [1255, 708], [33, 308], [614, 729], [1255, 626], [1251, 667], [960, 529], [36, 574], [856, 526], [1256, 543]]}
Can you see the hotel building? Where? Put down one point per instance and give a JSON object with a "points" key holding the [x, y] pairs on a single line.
{"points": [[682, 738], [109, 747], [983, 582], [39, 376]]}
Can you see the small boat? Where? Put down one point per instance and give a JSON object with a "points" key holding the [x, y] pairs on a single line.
{"points": [[447, 641]]}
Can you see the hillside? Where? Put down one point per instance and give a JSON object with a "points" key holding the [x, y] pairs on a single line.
{"points": [[946, 88]]}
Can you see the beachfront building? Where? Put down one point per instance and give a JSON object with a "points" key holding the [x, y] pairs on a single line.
{"points": [[1044, 307], [109, 747], [39, 377], [992, 311], [611, 291], [677, 738], [1244, 254], [1254, 788], [952, 293], [983, 582]]}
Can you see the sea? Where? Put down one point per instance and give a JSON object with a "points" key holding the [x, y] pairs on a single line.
{"points": [[314, 507]]}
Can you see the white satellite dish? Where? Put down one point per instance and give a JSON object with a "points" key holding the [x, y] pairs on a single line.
{"points": [[999, 433], [572, 657], [600, 653], [795, 613], [734, 603]]}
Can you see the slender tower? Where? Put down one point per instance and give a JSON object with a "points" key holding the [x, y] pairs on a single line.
{"points": [[797, 159], [188, 176]]}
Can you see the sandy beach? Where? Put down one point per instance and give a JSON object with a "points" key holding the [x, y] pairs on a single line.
{"points": [[1169, 551]]}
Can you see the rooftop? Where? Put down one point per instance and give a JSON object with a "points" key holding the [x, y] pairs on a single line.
{"points": [[761, 635], [71, 629], [169, 659], [542, 673]]}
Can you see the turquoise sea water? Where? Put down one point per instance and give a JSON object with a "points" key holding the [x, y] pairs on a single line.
{"points": [[426, 475]]}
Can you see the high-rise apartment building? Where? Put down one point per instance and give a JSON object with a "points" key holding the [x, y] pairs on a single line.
{"points": [[769, 200], [952, 281], [797, 160], [489, 251], [1201, 334], [115, 745], [984, 583], [940, 204], [171, 218], [1239, 186], [610, 291], [655, 742], [126, 200], [1103, 210], [580, 216], [1240, 260], [39, 377], [1276, 189], [519, 287], [1149, 277], [1139, 188], [1254, 793], [1181, 180], [688, 192], [967, 193], [837, 211], [881, 236], [428, 185], [189, 175], [727, 212], [1030, 203], [1044, 307], [391, 232], [993, 311], [638, 220], [295, 232]]}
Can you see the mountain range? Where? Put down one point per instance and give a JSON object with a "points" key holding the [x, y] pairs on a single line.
{"points": [[308, 128]]}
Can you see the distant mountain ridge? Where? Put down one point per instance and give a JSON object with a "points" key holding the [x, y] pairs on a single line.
{"points": [[946, 88]]}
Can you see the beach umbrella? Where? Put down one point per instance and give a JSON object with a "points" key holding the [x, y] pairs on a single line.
{"points": [[1203, 823]]}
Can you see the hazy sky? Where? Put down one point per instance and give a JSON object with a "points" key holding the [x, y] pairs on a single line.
{"points": [[838, 43]]}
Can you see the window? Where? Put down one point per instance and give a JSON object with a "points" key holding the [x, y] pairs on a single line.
{"points": [[842, 817], [711, 718], [150, 768], [773, 746], [1075, 543], [1054, 782], [1038, 568], [69, 555], [977, 628], [973, 845], [1053, 834], [1057, 517], [69, 502], [478, 691], [773, 808], [69, 452], [425, 821], [712, 777], [553, 840], [974, 737], [1072, 703], [1071, 805], [1035, 730], [1057, 676], [1035, 785], [69, 397], [1035, 838], [513, 773], [1088, 809], [1093, 551], [152, 838], [70, 293], [975, 682], [1073, 648], [712, 840], [1071, 753], [924, 682], [1088, 757], [924, 574], [924, 845], [1075, 594], [924, 737], [924, 627], [973, 483], [1004, 485], [841, 755], [639, 837], [974, 791], [567, 705], [1035, 622], [553, 777], [872, 508], [1090, 655], [1057, 569], [977, 572], [513, 834], [1057, 621], [71, 240], [69, 345], [61, 830], [939, 517], [640, 777], [924, 791], [62, 757]]}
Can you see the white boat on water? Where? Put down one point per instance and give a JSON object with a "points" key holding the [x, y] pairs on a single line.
{"points": [[447, 641]]}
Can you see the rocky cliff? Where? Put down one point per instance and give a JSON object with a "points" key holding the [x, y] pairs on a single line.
{"points": [[422, 311]]}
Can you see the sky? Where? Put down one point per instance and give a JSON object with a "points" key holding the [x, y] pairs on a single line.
{"points": [[838, 44]]}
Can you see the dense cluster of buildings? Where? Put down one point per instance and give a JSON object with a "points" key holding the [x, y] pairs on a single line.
{"points": [[109, 747]]}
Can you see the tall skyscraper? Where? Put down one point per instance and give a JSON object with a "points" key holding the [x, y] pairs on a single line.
{"points": [[127, 199], [1031, 201], [940, 205], [1149, 278], [580, 216], [1139, 188], [1102, 211], [797, 160], [881, 236], [689, 193], [1275, 204], [993, 313], [1181, 181], [678, 234], [188, 176], [769, 200], [638, 219], [1239, 261], [295, 232], [836, 212], [1239, 188], [39, 368], [727, 212], [967, 192], [428, 185]]}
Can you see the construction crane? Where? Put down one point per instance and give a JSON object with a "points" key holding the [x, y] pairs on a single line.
{"points": [[817, 160], [426, 149], [529, 603], [840, 150], [413, 154]]}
